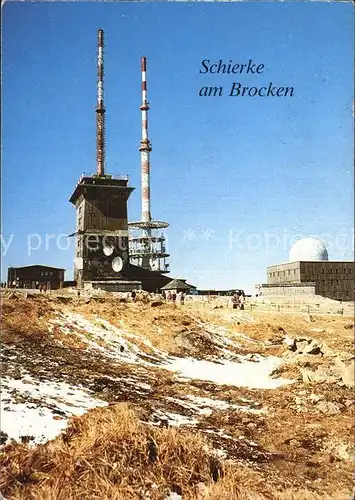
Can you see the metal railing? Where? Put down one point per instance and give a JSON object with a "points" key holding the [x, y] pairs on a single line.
{"points": [[341, 309], [107, 176]]}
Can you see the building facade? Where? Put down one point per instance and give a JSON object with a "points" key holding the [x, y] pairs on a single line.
{"points": [[35, 276], [332, 279]]}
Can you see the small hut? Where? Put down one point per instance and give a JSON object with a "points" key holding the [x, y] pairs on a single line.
{"points": [[177, 285]]}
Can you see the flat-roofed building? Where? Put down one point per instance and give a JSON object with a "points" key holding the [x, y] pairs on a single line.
{"points": [[332, 279], [34, 276], [309, 272]]}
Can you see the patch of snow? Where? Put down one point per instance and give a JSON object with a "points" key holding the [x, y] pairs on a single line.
{"points": [[254, 375], [190, 406], [101, 336], [41, 418], [288, 340], [219, 433], [136, 383], [128, 334], [250, 371], [246, 400], [221, 453], [222, 405], [205, 406], [175, 419], [225, 335], [20, 420]]}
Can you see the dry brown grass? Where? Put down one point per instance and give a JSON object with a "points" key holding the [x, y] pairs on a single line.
{"points": [[24, 319], [109, 454], [329, 330], [160, 325], [273, 326]]}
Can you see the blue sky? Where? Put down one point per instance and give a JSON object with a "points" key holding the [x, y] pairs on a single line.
{"points": [[238, 178]]}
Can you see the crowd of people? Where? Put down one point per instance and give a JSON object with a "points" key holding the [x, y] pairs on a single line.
{"points": [[170, 296], [42, 287], [175, 297]]}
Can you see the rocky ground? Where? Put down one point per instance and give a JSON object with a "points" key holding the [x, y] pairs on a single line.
{"points": [[269, 394]]}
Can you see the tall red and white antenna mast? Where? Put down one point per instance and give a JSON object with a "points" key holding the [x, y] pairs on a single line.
{"points": [[145, 147], [100, 108], [147, 250]]}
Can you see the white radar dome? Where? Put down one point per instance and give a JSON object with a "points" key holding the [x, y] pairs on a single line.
{"points": [[308, 249]]}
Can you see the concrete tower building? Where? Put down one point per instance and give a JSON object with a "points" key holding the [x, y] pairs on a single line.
{"points": [[101, 253], [147, 243]]}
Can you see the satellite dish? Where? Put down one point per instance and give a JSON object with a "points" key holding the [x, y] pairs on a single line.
{"points": [[154, 265], [108, 248], [117, 264], [79, 263]]}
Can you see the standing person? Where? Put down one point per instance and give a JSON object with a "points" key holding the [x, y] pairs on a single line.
{"points": [[242, 300], [169, 295], [236, 301], [173, 297], [182, 298]]}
